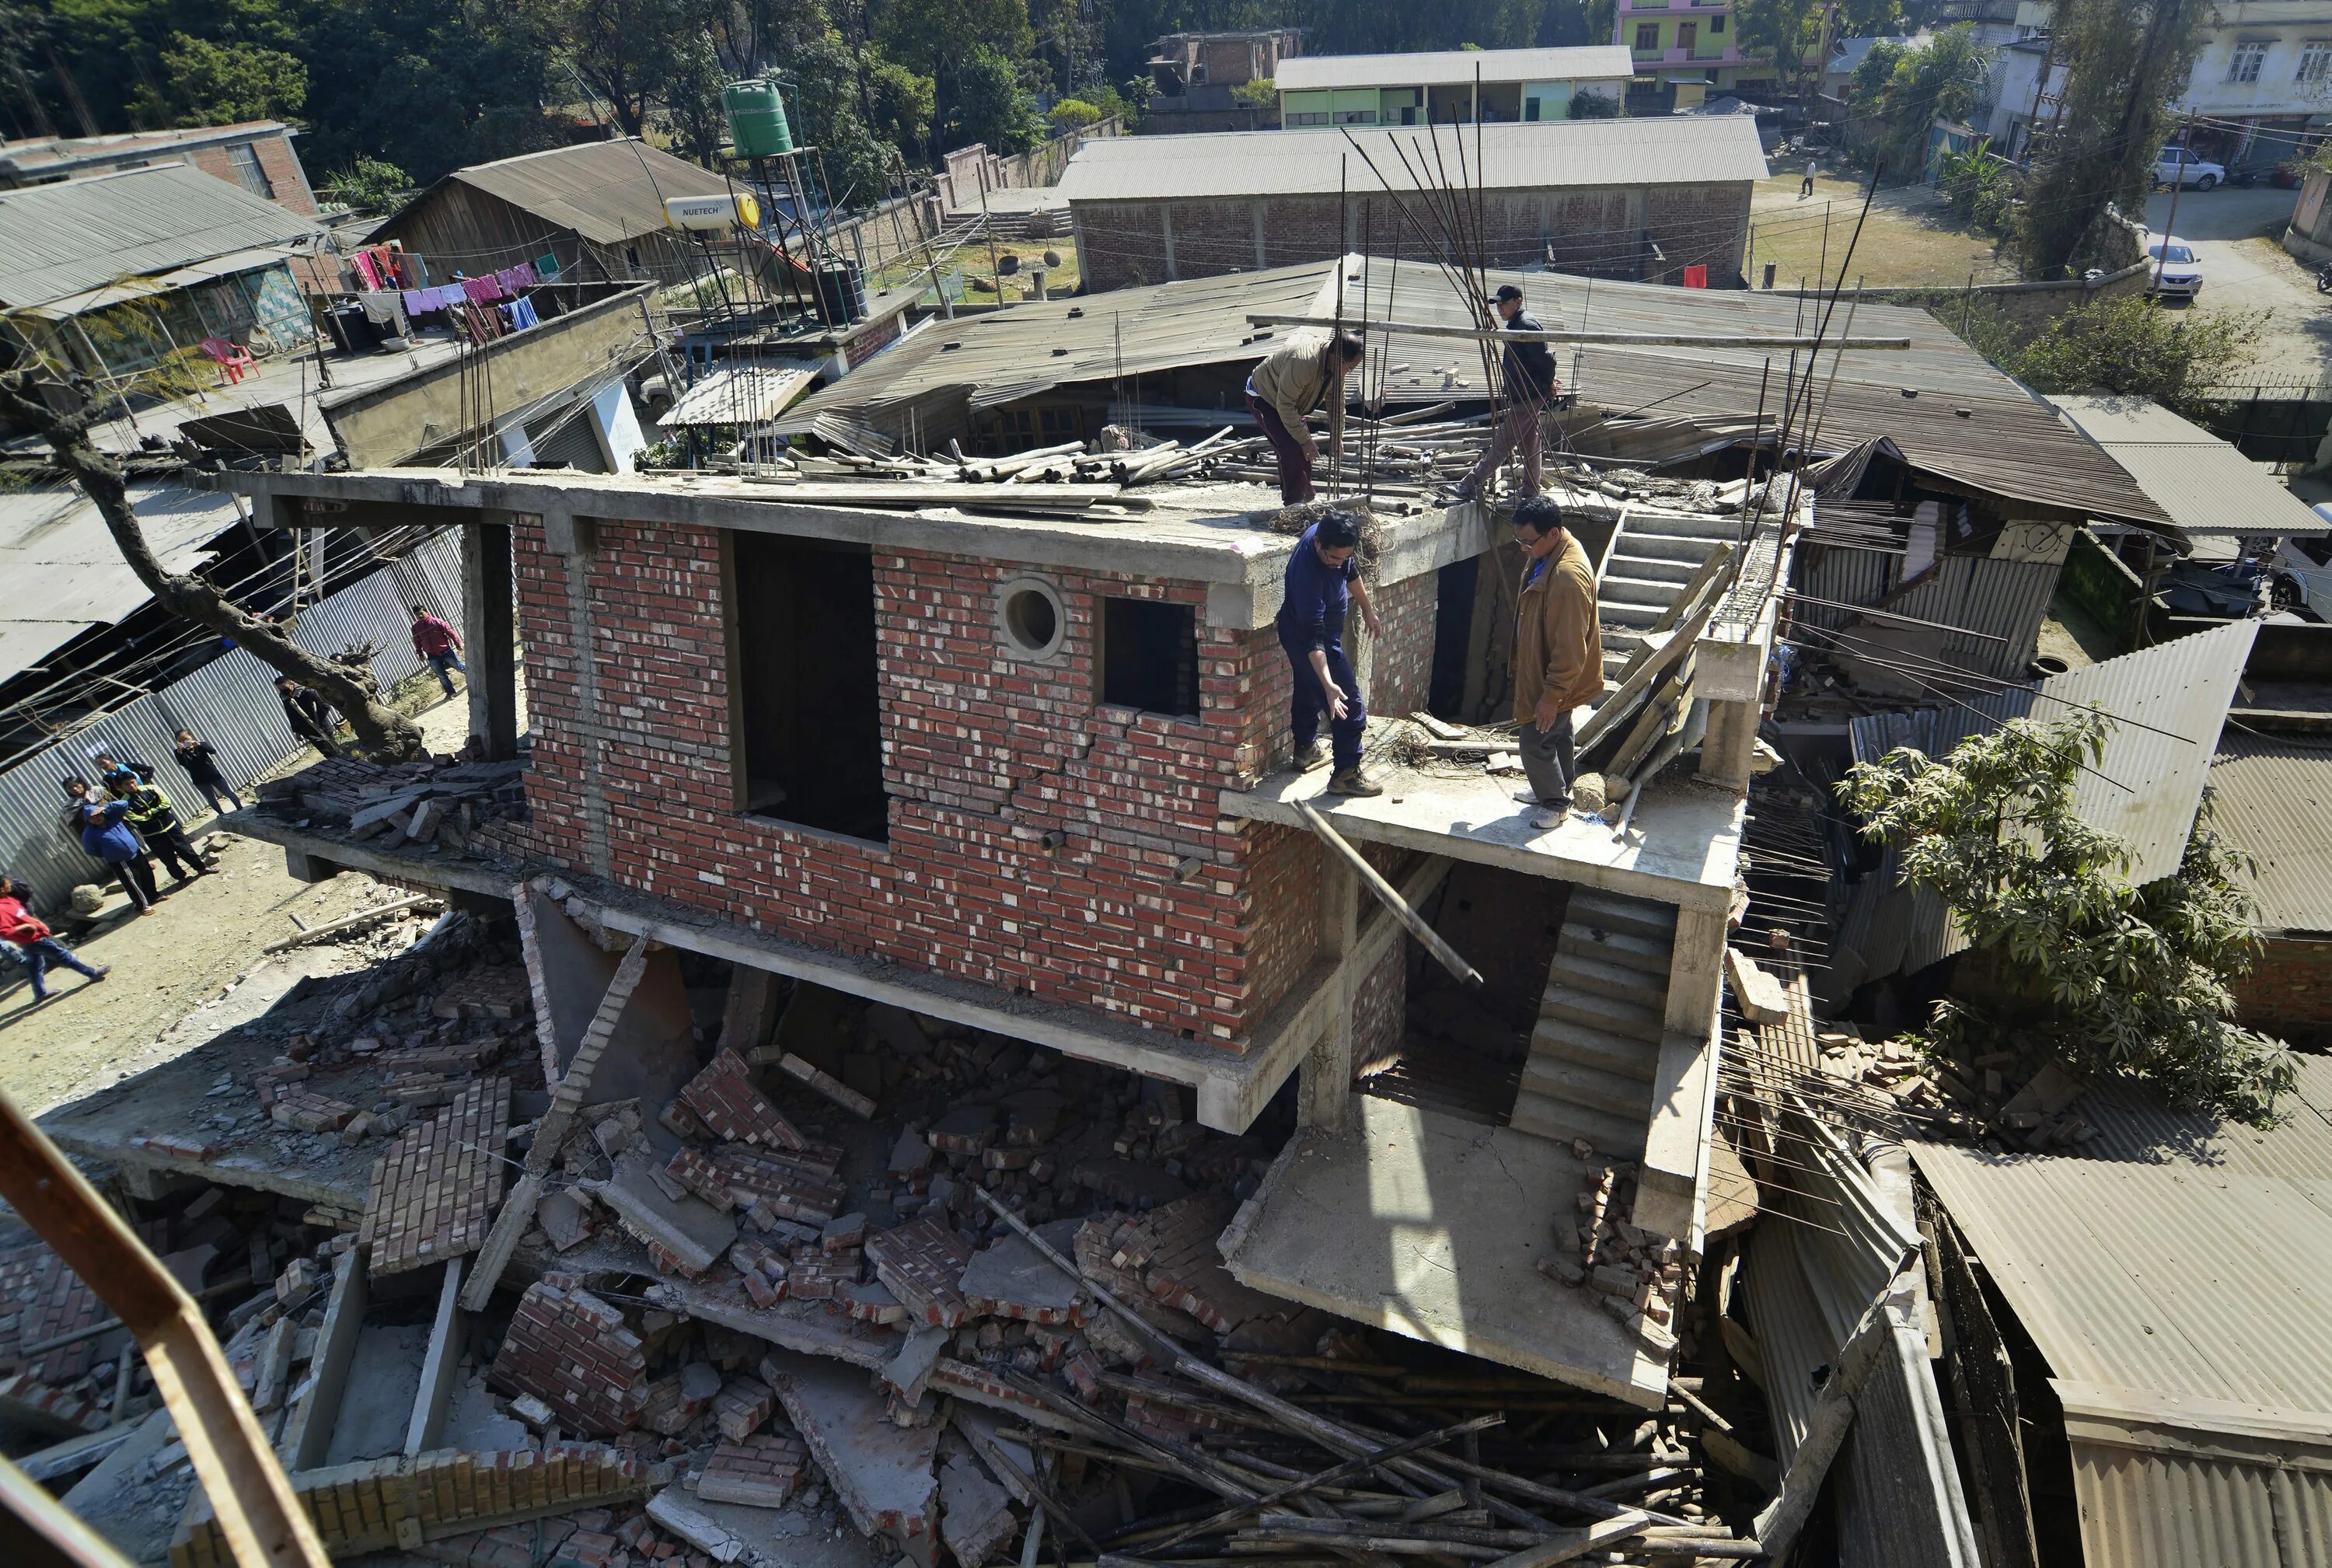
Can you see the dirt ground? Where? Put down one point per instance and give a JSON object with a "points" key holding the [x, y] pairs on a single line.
{"points": [[1911, 240], [195, 967]]}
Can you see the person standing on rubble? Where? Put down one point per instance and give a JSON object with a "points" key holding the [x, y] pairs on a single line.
{"points": [[1297, 377], [1323, 576], [439, 646], [308, 714], [28, 936], [1558, 655], [1527, 369]]}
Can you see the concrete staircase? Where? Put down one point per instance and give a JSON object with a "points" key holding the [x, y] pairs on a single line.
{"points": [[1594, 1054], [1649, 566]]}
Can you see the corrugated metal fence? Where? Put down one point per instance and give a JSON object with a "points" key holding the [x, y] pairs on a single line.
{"points": [[230, 703]]}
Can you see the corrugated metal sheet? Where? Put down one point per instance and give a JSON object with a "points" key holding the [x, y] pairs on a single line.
{"points": [[2175, 1285], [2272, 795], [1571, 154], [2205, 486], [606, 191], [1455, 67], [2169, 703], [1811, 1272], [739, 395], [62, 573], [57, 240], [2009, 446], [229, 702]]}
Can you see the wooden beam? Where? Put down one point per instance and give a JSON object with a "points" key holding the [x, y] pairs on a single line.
{"points": [[1390, 896], [264, 1522]]}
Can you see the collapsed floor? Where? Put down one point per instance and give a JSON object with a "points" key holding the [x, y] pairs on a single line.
{"points": [[780, 1313]]}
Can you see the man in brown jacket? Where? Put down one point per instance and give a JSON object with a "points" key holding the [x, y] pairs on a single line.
{"points": [[1558, 659], [1301, 375]]}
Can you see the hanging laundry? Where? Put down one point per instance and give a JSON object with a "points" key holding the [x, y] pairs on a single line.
{"points": [[546, 266], [483, 325], [419, 300], [524, 273], [482, 290], [367, 270], [521, 315]]}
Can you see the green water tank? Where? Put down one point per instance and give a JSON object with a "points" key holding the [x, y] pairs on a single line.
{"points": [[757, 119]]}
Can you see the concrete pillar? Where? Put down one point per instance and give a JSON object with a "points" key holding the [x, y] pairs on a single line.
{"points": [[489, 634], [1166, 237], [1695, 968], [1256, 211], [1324, 1087], [1731, 743]]}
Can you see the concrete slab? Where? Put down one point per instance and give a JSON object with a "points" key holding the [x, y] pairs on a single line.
{"points": [[1013, 1279], [1682, 846], [384, 1379], [1432, 1227], [689, 1228], [883, 1473], [473, 1422], [799, 1536], [975, 1516]]}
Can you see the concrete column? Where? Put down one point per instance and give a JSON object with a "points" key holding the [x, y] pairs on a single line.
{"points": [[1166, 237], [489, 634], [1731, 743], [577, 540], [1256, 210], [1324, 1089], [1695, 968]]}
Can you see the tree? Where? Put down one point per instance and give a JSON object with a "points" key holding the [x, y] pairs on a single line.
{"points": [[1941, 78], [636, 55], [445, 83], [1868, 82], [1073, 114], [388, 736], [2122, 982], [207, 83], [950, 42], [1790, 33], [2126, 62], [370, 186], [2129, 344], [991, 105], [23, 34]]}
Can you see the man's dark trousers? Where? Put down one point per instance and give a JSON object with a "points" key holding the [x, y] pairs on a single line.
{"points": [[1311, 702]]}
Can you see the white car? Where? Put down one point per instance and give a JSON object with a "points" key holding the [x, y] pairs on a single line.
{"points": [[2303, 571], [2176, 269], [2178, 166]]}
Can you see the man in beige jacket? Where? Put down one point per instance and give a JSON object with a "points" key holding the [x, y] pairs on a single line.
{"points": [[1558, 658], [1301, 374]]}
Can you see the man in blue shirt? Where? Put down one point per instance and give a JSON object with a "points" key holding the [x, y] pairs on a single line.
{"points": [[1527, 369], [1323, 579]]}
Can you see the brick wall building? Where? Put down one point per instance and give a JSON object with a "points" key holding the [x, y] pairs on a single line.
{"points": [[256, 154], [1636, 199]]}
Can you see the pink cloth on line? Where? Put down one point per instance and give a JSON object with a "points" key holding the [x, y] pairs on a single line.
{"points": [[482, 290]]}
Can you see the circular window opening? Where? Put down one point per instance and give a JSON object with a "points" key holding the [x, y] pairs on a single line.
{"points": [[1032, 618]]}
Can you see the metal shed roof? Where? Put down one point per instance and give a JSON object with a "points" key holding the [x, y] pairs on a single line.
{"points": [[605, 191], [66, 239], [1572, 154], [2176, 1292], [65, 574], [1455, 67], [2272, 795], [2203, 483]]}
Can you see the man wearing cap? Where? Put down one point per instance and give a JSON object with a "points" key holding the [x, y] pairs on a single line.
{"points": [[1528, 369]]}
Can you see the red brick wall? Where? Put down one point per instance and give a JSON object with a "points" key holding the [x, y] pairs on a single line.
{"points": [[2289, 992], [277, 161], [1401, 672], [983, 756], [1607, 233]]}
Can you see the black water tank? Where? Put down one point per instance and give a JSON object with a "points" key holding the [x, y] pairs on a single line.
{"points": [[841, 292]]}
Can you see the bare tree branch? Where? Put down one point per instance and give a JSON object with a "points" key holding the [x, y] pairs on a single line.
{"points": [[386, 736]]}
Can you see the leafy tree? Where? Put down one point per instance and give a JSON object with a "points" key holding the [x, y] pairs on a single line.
{"points": [[2122, 982], [1596, 106], [1876, 70], [1073, 114], [369, 185], [1941, 78], [1789, 33], [445, 83], [1977, 186], [1263, 92], [633, 56], [2126, 61], [2129, 344], [207, 83], [24, 38], [1568, 23], [991, 107]]}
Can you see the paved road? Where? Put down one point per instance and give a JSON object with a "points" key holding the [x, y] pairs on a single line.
{"points": [[2235, 234]]}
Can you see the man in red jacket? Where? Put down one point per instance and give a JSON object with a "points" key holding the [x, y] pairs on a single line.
{"points": [[33, 943], [438, 642]]}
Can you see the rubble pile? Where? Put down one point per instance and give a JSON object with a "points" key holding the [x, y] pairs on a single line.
{"points": [[2013, 1099], [1635, 1276], [436, 805]]}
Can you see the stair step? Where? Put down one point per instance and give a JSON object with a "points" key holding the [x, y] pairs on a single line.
{"points": [[1558, 1040], [1658, 569], [1612, 612], [1594, 910], [1637, 590], [1669, 547], [1603, 978], [1601, 1012], [1693, 524], [1612, 1137], [1569, 1083], [1652, 954]]}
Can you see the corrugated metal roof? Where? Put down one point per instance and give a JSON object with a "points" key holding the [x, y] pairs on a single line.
{"points": [[1573, 154], [2202, 483], [1455, 67], [2011, 445], [58, 240], [65, 574], [606, 191], [2174, 1282], [2272, 795]]}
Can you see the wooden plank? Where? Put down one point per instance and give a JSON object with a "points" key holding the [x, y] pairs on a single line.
{"points": [[1639, 679]]}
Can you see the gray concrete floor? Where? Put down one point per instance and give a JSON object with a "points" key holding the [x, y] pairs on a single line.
{"points": [[2235, 233]]}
